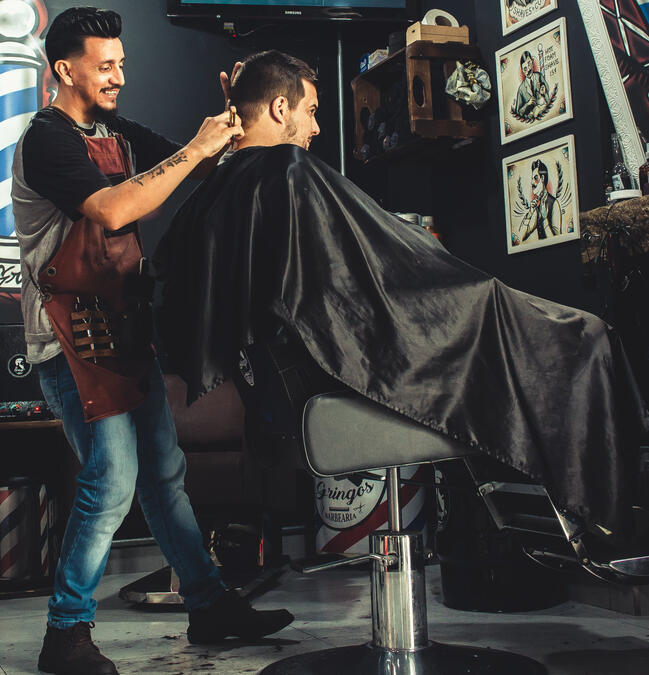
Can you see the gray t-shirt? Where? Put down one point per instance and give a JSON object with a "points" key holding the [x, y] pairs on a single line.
{"points": [[52, 176]]}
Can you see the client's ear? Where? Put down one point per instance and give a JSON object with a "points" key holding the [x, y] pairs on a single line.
{"points": [[279, 109]]}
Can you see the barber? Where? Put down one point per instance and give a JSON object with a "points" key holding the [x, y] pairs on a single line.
{"points": [[82, 178]]}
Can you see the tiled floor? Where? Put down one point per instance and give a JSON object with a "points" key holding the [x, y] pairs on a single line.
{"points": [[332, 609]]}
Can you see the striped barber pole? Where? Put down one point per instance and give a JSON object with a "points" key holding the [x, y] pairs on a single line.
{"points": [[14, 533], [349, 509], [21, 61], [44, 531], [26, 529]]}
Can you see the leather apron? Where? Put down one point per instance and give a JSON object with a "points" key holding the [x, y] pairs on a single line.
{"points": [[91, 266]]}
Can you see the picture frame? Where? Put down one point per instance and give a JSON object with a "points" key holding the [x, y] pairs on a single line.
{"points": [[541, 199], [518, 13], [533, 82], [614, 29]]}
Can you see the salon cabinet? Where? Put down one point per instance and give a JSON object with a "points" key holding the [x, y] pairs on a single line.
{"points": [[38, 450], [405, 92]]}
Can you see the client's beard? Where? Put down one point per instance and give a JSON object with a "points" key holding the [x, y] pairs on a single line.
{"points": [[291, 130]]}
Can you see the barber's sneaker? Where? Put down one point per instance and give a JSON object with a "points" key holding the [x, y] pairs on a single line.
{"points": [[72, 652], [232, 616]]}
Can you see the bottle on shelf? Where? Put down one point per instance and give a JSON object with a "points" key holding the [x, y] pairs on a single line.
{"points": [[608, 186], [428, 223], [620, 176]]}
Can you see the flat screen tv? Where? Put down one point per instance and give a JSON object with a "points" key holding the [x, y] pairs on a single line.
{"points": [[336, 10]]}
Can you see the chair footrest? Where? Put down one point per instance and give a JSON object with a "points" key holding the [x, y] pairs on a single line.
{"points": [[632, 567]]}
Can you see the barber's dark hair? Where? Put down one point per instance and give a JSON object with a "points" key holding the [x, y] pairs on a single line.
{"points": [[66, 35], [265, 76], [543, 170]]}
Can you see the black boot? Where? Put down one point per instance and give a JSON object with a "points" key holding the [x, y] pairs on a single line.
{"points": [[232, 615], [72, 652]]}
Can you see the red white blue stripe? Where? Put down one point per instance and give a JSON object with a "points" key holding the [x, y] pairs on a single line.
{"points": [[356, 539], [21, 60]]}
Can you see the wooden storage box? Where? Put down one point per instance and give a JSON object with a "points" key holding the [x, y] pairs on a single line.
{"points": [[438, 34], [424, 65]]}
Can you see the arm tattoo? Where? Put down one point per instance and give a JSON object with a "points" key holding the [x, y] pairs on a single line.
{"points": [[176, 159], [159, 170]]}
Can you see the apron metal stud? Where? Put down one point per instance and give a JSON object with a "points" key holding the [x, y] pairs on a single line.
{"points": [[47, 297], [50, 271]]}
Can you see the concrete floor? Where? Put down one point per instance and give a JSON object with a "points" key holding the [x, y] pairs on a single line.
{"points": [[332, 609]]}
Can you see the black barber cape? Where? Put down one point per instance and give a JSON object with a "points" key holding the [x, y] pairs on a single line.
{"points": [[382, 306]]}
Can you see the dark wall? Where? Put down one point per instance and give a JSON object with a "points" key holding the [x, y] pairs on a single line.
{"points": [[172, 83], [171, 78], [463, 190], [172, 70], [553, 272]]}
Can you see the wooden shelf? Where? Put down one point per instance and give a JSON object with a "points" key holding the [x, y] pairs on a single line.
{"points": [[432, 115], [424, 49], [419, 149], [421, 49], [383, 70]]}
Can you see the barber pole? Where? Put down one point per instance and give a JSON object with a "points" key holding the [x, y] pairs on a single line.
{"points": [[541, 58], [14, 533], [44, 531], [26, 529], [350, 509], [21, 62]]}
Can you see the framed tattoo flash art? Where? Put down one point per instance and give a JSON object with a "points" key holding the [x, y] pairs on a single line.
{"points": [[618, 32], [533, 79], [541, 205], [518, 13]]}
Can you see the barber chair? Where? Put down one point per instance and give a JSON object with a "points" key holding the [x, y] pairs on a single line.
{"points": [[339, 432], [550, 536], [291, 403]]}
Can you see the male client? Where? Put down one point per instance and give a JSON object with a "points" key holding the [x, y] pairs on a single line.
{"points": [[275, 235]]}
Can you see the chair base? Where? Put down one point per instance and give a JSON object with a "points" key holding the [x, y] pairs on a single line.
{"points": [[436, 659]]}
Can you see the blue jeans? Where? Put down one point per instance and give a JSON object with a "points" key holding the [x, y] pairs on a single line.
{"points": [[134, 451]]}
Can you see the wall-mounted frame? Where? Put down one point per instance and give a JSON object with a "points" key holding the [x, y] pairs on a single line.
{"points": [[618, 32], [518, 13], [541, 203], [533, 80]]}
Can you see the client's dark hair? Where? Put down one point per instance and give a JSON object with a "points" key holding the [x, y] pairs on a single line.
{"points": [[265, 76], [69, 29]]}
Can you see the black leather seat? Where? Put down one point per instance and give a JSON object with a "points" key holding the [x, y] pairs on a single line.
{"points": [[343, 433], [340, 432], [291, 403]]}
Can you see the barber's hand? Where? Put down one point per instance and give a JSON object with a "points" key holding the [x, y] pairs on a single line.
{"points": [[227, 81], [215, 134]]}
